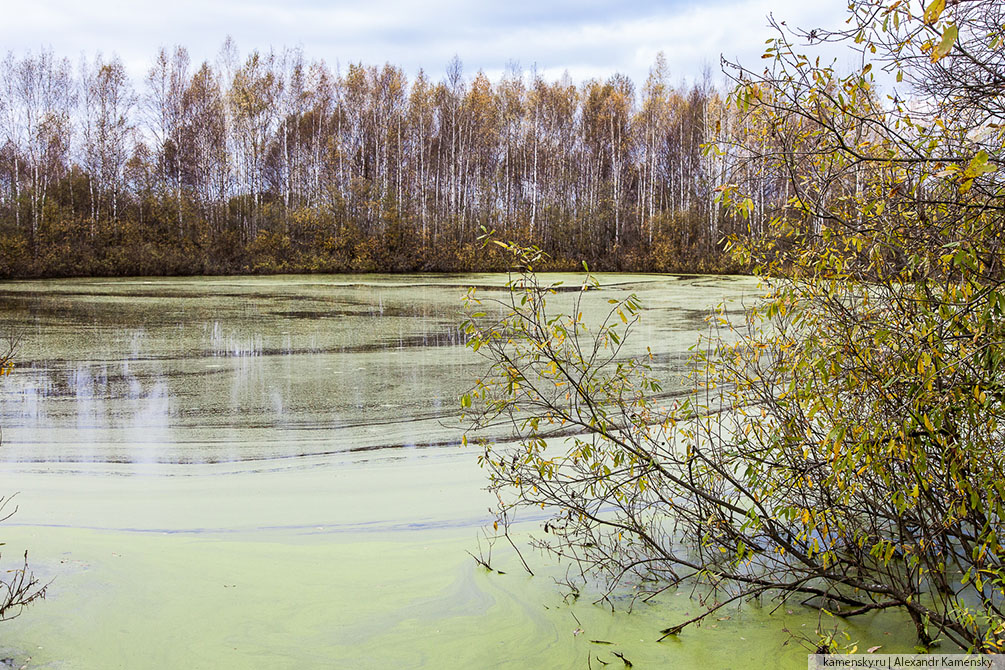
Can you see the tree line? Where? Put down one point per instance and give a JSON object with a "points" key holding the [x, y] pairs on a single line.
{"points": [[273, 162]]}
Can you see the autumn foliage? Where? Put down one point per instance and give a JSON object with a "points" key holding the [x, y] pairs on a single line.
{"points": [[274, 163], [841, 443]]}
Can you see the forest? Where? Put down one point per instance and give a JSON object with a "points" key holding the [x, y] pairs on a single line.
{"points": [[276, 163]]}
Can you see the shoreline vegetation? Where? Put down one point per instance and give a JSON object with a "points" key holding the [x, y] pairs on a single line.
{"points": [[840, 442], [274, 163], [127, 249]]}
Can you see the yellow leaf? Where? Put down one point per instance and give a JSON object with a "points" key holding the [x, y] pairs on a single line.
{"points": [[934, 11]]}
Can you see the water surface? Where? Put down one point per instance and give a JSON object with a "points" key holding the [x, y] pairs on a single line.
{"points": [[266, 473]]}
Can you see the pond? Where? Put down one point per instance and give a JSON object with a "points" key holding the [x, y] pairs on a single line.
{"points": [[266, 472]]}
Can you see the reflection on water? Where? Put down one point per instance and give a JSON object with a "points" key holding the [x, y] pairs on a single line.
{"points": [[204, 370], [178, 371], [226, 473]]}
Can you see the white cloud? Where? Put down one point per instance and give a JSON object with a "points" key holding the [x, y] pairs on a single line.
{"points": [[587, 39]]}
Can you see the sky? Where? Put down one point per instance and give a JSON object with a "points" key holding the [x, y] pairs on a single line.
{"points": [[586, 38]]}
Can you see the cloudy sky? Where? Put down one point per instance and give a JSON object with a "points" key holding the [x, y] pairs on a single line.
{"points": [[587, 38]]}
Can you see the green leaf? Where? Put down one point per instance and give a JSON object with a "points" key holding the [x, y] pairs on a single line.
{"points": [[948, 40], [979, 166]]}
